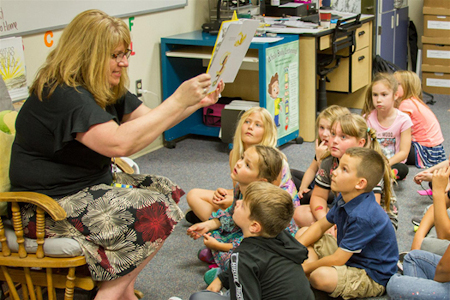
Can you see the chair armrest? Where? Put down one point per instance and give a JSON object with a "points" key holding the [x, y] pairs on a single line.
{"points": [[123, 165], [49, 205]]}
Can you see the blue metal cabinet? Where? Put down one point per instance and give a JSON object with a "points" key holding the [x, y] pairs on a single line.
{"points": [[387, 37], [392, 41], [175, 70]]}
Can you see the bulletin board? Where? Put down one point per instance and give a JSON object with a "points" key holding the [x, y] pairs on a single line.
{"points": [[22, 17]]}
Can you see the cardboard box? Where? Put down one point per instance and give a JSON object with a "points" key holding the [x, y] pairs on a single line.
{"points": [[436, 79], [436, 55], [436, 7], [436, 26], [435, 40]]}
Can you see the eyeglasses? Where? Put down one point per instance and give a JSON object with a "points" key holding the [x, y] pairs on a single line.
{"points": [[119, 57]]}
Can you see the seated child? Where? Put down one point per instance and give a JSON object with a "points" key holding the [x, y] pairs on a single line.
{"points": [[364, 256], [259, 163], [427, 147], [267, 264], [425, 276], [433, 234]]}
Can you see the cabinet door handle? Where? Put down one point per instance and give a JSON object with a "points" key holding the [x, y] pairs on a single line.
{"points": [[361, 33], [361, 58]]}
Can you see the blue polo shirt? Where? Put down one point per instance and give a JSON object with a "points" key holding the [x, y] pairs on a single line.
{"points": [[364, 229]]}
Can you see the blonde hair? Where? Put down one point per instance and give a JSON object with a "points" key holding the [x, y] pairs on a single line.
{"points": [[412, 88], [82, 58], [270, 206], [269, 137], [356, 126], [270, 162], [388, 80], [330, 113]]}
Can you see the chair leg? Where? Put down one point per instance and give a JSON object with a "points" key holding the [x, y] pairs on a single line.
{"points": [[70, 284], [322, 94]]}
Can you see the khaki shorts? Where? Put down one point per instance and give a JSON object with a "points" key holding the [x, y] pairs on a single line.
{"points": [[352, 282]]}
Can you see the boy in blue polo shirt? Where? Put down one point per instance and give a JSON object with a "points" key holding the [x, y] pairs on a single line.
{"points": [[363, 258]]}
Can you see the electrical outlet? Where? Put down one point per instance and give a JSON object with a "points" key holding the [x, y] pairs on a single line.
{"points": [[138, 87]]}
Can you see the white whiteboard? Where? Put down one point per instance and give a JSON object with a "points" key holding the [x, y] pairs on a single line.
{"points": [[22, 17]]}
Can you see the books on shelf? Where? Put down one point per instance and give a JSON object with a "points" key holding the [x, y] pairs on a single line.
{"points": [[12, 67], [241, 105]]}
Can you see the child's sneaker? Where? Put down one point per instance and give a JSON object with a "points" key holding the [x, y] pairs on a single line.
{"points": [[210, 275], [416, 220], [191, 217], [205, 255]]}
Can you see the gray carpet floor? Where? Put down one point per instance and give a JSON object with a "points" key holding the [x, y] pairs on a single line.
{"points": [[198, 162]]}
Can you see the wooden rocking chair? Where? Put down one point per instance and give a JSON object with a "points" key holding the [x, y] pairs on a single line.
{"points": [[28, 266]]}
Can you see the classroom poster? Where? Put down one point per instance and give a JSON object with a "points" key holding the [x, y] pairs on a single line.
{"points": [[282, 86], [12, 67]]}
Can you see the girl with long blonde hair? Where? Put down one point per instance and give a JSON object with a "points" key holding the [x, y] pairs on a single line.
{"points": [[255, 127], [427, 148]]}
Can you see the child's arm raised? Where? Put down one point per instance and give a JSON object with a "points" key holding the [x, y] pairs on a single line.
{"points": [[405, 145], [199, 229], [425, 225], [440, 203], [318, 202]]}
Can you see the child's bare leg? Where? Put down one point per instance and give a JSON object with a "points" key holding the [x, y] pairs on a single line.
{"points": [[200, 201], [303, 216], [324, 279]]}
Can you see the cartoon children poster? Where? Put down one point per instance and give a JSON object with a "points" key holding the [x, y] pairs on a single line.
{"points": [[282, 86]]}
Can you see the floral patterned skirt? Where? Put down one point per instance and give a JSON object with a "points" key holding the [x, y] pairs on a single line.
{"points": [[117, 228]]}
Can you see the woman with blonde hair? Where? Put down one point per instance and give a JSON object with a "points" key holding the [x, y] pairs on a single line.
{"points": [[255, 127], [78, 116]]}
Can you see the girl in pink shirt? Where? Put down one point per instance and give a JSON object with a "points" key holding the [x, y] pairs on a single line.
{"points": [[427, 149], [393, 127]]}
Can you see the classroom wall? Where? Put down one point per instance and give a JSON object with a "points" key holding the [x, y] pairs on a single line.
{"points": [[146, 32]]}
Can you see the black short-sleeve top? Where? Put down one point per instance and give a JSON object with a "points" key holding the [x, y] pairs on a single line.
{"points": [[45, 156]]}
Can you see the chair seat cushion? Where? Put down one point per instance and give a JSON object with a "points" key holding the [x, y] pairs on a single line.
{"points": [[53, 247]]}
